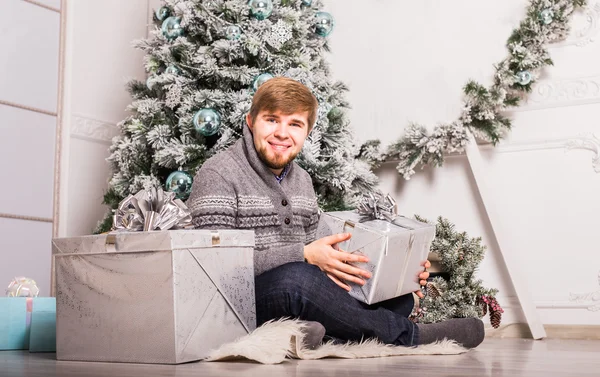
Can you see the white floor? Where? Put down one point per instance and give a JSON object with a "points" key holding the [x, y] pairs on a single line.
{"points": [[495, 357]]}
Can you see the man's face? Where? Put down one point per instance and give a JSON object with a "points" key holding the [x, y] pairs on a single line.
{"points": [[278, 138]]}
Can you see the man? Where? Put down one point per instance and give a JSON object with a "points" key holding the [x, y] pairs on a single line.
{"points": [[256, 185]]}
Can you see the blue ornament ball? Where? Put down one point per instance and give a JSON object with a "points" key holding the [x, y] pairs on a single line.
{"points": [[524, 77], [171, 27], [261, 9], [180, 183], [324, 23], [307, 3], [233, 32], [207, 122], [261, 79], [546, 16], [172, 70], [162, 13]]}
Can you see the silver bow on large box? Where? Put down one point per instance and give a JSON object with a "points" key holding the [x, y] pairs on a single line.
{"points": [[151, 209]]}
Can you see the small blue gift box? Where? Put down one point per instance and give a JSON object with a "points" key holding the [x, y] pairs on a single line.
{"points": [[13, 323], [28, 323]]}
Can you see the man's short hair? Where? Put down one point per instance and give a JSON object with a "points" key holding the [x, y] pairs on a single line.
{"points": [[285, 95]]}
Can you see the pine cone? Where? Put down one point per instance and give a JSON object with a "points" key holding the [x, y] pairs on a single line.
{"points": [[416, 315], [495, 318], [433, 291]]}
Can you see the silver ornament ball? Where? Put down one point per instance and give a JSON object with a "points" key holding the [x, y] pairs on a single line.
{"points": [[324, 23], [546, 16], [524, 77], [171, 27], [233, 32], [179, 182], [261, 79], [207, 122], [172, 70], [162, 13], [261, 9]]}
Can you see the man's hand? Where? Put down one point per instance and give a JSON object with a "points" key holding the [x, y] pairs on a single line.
{"points": [[324, 254], [423, 276]]}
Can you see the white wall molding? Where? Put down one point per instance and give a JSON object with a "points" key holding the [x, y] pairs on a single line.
{"points": [[581, 302], [584, 27], [85, 128], [561, 93], [584, 141], [563, 331], [587, 142], [529, 145], [590, 300]]}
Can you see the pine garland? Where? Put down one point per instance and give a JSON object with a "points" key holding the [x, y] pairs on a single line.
{"points": [[547, 21]]}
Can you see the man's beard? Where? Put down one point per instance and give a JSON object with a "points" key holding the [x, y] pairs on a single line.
{"points": [[278, 162]]}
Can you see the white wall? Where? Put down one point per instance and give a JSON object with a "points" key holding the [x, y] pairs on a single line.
{"points": [[29, 41], [100, 60], [408, 62]]}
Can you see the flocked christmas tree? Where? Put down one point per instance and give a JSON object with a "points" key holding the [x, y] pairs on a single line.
{"points": [[205, 59]]}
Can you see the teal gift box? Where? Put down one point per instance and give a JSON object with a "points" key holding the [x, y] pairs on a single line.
{"points": [[42, 336], [13, 323], [28, 323]]}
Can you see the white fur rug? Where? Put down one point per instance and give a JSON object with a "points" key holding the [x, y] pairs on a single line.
{"points": [[275, 341]]}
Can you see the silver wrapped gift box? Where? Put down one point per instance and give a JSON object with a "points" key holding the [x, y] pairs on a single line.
{"points": [[153, 297], [395, 250]]}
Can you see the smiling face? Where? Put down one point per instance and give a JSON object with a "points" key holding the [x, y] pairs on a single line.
{"points": [[282, 115], [278, 138]]}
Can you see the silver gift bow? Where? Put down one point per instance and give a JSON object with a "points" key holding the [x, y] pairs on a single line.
{"points": [[151, 209], [377, 206]]}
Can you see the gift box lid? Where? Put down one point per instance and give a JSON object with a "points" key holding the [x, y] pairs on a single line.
{"points": [[403, 222], [152, 241], [371, 232]]}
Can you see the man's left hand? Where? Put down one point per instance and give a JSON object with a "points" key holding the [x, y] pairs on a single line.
{"points": [[423, 276]]}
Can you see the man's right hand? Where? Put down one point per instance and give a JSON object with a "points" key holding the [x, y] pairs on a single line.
{"points": [[324, 254]]}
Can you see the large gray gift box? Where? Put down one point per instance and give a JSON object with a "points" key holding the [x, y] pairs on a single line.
{"points": [[395, 251], [152, 297]]}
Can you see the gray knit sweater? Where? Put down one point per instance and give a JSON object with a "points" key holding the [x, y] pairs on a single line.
{"points": [[235, 189]]}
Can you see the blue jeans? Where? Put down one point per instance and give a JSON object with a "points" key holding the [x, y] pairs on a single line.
{"points": [[301, 290]]}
